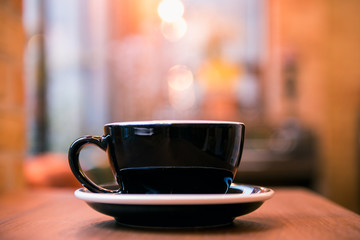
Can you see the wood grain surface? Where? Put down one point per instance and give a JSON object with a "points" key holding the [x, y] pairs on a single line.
{"points": [[290, 214]]}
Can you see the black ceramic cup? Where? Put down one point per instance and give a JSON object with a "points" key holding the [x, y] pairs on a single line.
{"points": [[166, 156]]}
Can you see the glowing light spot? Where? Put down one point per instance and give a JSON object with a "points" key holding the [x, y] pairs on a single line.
{"points": [[174, 31], [181, 87], [180, 78], [170, 10]]}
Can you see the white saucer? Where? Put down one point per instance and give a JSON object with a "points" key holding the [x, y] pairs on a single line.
{"points": [[178, 210]]}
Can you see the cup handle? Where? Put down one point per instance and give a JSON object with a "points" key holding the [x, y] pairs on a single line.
{"points": [[74, 152]]}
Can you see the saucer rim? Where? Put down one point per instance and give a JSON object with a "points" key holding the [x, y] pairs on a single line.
{"points": [[178, 199]]}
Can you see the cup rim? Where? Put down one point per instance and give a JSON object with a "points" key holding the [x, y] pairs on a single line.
{"points": [[173, 122]]}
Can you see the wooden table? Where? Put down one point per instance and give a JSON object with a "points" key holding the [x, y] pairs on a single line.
{"points": [[290, 214]]}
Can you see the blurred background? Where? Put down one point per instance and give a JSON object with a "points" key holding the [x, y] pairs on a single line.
{"points": [[288, 69]]}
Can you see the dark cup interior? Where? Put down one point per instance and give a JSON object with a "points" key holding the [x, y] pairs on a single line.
{"points": [[174, 157]]}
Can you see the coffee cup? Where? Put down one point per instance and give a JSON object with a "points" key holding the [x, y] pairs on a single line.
{"points": [[165, 157]]}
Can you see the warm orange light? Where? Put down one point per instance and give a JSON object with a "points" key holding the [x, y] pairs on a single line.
{"points": [[170, 10], [218, 75]]}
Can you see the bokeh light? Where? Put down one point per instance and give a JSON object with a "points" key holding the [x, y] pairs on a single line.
{"points": [[174, 31], [170, 10], [181, 87], [180, 78]]}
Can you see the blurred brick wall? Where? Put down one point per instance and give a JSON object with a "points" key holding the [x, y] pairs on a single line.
{"points": [[12, 96]]}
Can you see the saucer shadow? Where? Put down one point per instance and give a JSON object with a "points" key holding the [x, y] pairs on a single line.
{"points": [[237, 226]]}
